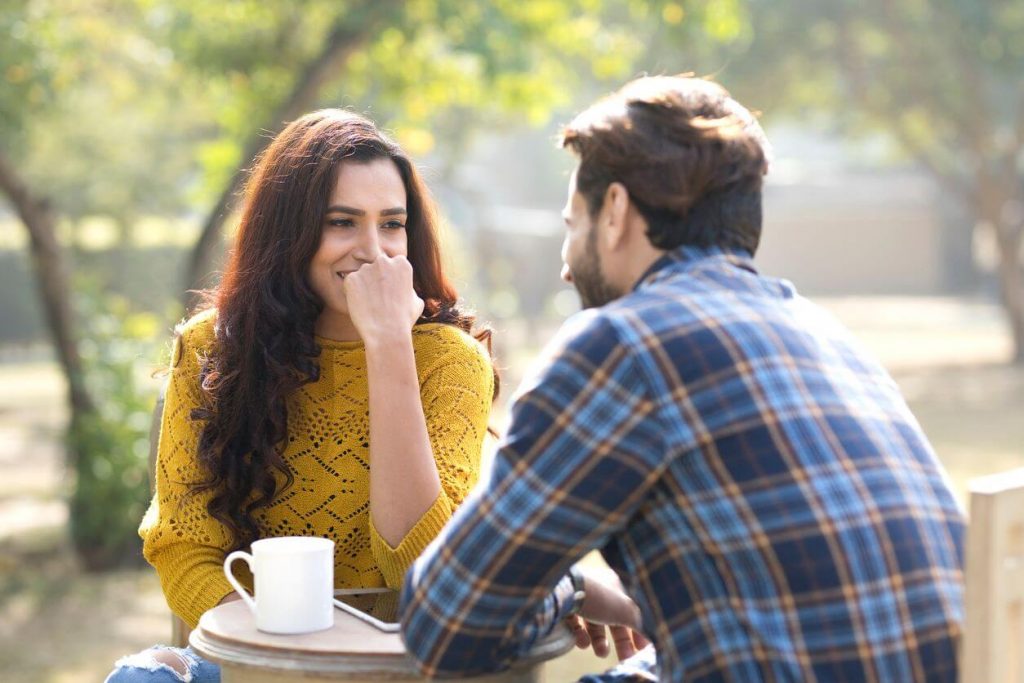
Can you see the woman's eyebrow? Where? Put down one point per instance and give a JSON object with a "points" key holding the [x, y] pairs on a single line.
{"points": [[338, 208]]}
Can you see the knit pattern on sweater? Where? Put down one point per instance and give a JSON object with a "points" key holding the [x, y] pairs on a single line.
{"points": [[327, 451]]}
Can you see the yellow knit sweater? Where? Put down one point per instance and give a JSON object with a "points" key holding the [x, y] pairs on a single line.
{"points": [[328, 453]]}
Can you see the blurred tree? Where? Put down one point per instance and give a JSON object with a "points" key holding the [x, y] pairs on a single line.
{"points": [[110, 492], [942, 79], [28, 84], [425, 66], [126, 108], [116, 144], [43, 85], [104, 105], [275, 82]]}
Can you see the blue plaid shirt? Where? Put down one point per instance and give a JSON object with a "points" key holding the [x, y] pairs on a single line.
{"points": [[756, 480]]}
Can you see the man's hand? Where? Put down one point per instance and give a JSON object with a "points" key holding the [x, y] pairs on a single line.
{"points": [[606, 603], [587, 633]]}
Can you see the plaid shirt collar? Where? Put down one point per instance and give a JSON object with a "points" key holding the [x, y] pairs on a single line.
{"points": [[685, 257]]}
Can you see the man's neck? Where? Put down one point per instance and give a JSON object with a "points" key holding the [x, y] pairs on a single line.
{"points": [[640, 263]]}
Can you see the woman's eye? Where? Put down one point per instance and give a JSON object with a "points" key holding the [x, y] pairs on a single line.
{"points": [[340, 222], [394, 225]]}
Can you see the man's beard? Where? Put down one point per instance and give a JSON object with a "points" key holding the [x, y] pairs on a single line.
{"points": [[588, 279]]}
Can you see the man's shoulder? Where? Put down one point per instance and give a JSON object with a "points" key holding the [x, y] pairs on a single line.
{"points": [[588, 328], [687, 308], [628, 323], [655, 311], [707, 296]]}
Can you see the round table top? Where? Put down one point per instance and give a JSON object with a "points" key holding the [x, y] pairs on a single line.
{"points": [[351, 648], [234, 623]]}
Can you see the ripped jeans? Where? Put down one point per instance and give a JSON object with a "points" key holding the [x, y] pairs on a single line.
{"points": [[142, 667]]}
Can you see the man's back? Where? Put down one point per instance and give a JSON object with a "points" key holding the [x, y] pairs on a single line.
{"points": [[800, 528], [759, 484]]}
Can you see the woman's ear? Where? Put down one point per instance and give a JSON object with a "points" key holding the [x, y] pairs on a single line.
{"points": [[614, 215]]}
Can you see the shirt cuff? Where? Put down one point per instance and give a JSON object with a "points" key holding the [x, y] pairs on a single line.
{"points": [[557, 605], [394, 562]]}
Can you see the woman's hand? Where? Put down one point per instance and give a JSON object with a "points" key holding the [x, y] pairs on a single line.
{"points": [[381, 300]]}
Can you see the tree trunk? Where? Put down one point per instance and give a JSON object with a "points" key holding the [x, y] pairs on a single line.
{"points": [[51, 274], [995, 194], [1011, 285], [342, 42]]}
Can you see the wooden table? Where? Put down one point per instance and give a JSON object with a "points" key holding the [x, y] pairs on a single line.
{"points": [[350, 651]]}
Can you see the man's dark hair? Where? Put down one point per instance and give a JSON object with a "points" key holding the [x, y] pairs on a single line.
{"points": [[692, 159]]}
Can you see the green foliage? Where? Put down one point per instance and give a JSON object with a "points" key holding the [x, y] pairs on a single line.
{"points": [[941, 80], [111, 444], [433, 72], [124, 108], [498, 60], [25, 68], [91, 109]]}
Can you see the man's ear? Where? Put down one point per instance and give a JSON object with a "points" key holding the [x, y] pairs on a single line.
{"points": [[614, 216]]}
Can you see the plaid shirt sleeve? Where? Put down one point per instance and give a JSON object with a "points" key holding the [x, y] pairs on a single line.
{"points": [[583, 447]]}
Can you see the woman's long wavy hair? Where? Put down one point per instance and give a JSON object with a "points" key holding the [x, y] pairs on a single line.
{"points": [[266, 308]]}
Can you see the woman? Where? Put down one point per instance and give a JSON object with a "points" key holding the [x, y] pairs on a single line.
{"points": [[330, 387]]}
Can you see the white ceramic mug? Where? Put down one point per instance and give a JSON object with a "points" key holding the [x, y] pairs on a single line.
{"points": [[293, 578]]}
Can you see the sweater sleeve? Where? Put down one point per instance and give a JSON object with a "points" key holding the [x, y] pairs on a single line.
{"points": [[183, 543], [456, 393]]}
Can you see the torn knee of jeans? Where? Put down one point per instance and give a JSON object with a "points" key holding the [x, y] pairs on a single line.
{"points": [[157, 659]]}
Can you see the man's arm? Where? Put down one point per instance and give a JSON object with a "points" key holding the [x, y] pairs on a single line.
{"points": [[582, 450]]}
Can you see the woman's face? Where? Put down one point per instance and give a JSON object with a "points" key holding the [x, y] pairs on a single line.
{"points": [[365, 217]]}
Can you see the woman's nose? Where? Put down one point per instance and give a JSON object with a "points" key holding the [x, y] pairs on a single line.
{"points": [[368, 248]]}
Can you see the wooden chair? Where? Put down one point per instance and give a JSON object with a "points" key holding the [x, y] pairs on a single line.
{"points": [[993, 646], [179, 630]]}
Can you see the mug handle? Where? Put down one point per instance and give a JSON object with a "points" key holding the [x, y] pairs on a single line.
{"points": [[247, 558]]}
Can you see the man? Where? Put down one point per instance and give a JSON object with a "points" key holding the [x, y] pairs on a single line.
{"points": [[752, 476]]}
